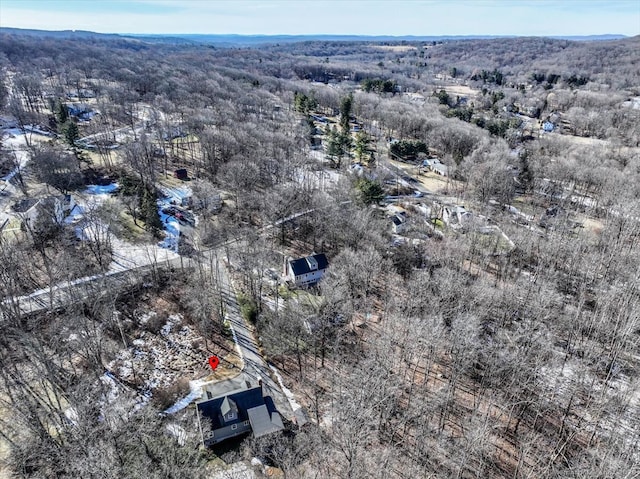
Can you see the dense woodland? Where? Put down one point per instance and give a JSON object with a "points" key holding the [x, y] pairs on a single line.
{"points": [[441, 355]]}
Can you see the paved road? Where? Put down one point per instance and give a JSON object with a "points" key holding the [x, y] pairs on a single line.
{"points": [[73, 292]]}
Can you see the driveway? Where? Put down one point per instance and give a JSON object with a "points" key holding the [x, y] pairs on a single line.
{"points": [[254, 366]]}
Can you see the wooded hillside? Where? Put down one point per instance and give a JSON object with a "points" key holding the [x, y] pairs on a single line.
{"points": [[478, 202]]}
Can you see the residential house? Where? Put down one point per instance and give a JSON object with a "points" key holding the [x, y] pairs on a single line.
{"points": [[174, 132], [435, 165], [456, 216], [427, 163], [53, 208], [440, 168], [398, 223], [306, 271], [237, 413], [81, 111], [320, 118]]}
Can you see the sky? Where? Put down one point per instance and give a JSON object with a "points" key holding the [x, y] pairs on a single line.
{"points": [[336, 17]]}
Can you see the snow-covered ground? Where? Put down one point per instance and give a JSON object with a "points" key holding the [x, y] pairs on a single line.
{"points": [[237, 470], [125, 254], [195, 388], [157, 360], [171, 196], [621, 389], [102, 189], [16, 143], [295, 406], [318, 179]]}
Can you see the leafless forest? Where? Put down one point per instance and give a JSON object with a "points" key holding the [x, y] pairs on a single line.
{"points": [[497, 335]]}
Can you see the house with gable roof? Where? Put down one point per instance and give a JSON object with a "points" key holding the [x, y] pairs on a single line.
{"points": [[238, 412], [306, 271]]}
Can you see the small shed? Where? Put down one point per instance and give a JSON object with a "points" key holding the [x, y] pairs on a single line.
{"points": [[398, 223], [181, 174]]}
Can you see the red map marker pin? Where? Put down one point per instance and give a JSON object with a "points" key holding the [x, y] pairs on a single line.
{"points": [[213, 362]]}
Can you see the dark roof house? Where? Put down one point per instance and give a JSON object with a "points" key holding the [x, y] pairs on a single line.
{"points": [[307, 271], [398, 222], [236, 413]]}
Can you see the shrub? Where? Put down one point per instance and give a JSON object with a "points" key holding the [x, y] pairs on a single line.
{"points": [[248, 308]]}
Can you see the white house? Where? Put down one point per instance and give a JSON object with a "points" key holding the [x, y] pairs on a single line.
{"points": [[398, 223], [456, 216], [435, 165], [306, 271], [56, 208]]}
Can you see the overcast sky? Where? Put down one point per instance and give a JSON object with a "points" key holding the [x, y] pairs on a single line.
{"points": [[356, 17]]}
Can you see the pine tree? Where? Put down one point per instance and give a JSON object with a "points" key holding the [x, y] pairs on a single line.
{"points": [[149, 211], [371, 192], [70, 132], [334, 147], [361, 145], [61, 112], [345, 112]]}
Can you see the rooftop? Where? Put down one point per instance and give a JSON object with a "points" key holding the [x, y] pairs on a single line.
{"points": [[310, 263]]}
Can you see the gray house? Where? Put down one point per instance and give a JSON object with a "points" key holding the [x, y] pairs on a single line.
{"points": [[239, 412]]}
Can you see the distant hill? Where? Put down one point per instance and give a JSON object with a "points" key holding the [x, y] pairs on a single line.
{"points": [[56, 34], [589, 38], [248, 40]]}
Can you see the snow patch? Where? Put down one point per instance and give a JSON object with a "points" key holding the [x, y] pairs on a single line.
{"points": [[295, 406], [145, 317], [195, 394], [171, 196], [178, 432], [102, 189], [173, 320], [72, 415], [238, 470]]}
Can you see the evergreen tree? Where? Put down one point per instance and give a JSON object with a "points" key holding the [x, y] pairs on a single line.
{"points": [[61, 112], [525, 175], [362, 145], [70, 132], [371, 192], [149, 211], [303, 103], [334, 149], [443, 97], [345, 112]]}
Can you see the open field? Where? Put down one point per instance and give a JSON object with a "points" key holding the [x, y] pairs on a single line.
{"points": [[461, 90], [396, 48]]}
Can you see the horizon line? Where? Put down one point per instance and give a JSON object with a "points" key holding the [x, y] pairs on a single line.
{"points": [[411, 35]]}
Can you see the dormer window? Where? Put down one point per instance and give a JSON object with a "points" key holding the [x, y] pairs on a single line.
{"points": [[312, 263], [229, 409]]}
